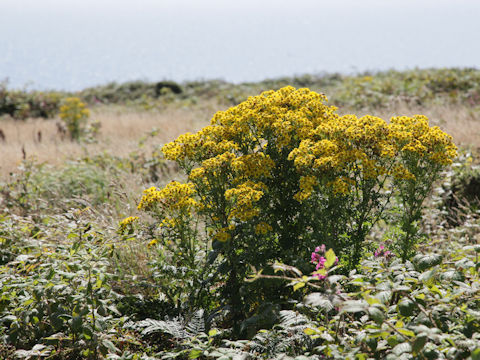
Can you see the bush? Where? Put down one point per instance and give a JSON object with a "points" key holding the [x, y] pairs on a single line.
{"points": [[75, 115], [21, 104], [279, 173]]}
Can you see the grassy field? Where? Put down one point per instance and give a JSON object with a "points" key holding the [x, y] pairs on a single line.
{"points": [[77, 282]]}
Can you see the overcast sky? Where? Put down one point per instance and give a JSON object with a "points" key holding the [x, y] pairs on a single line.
{"points": [[72, 44]]}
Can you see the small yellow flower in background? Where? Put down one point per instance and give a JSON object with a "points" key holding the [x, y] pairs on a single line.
{"points": [[127, 222], [152, 243], [74, 114]]}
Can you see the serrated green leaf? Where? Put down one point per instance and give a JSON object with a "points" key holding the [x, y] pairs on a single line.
{"points": [[330, 256], [309, 331], [424, 262], [109, 345], [406, 332], [371, 300], [476, 354], [419, 343], [195, 354], [406, 307], [298, 285], [420, 296], [402, 348], [320, 300], [427, 277], [354, 306], [376, 314]]}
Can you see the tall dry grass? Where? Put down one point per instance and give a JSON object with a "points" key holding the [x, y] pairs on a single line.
{"points": [[121, 129]]}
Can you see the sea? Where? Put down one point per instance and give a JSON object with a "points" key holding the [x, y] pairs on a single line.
{"points": [[74, 44]]}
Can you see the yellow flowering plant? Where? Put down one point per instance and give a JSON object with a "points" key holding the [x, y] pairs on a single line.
{"points": [[75, 114], [281, 172]]}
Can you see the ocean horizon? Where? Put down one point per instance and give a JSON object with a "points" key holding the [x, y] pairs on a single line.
{"points": [[67, 45]]}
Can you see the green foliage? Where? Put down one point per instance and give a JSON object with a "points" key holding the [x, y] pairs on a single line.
{"points": [[461, 195], [42, 188], [24, 104], [57, 296], [394, 310], [75, 285], [361, 91]]}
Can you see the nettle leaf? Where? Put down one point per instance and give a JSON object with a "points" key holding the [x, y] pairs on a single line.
{"points": [[376, 314], [476, 354], [406, 307], [39, 350], [310, 331], [298, 285], [427, 277], [406, 332], [384, 296], [402, 348], [195, 353], [419, 343], [332, 279], [354, 306], [110, 346], [319, 300], [424, 262]]}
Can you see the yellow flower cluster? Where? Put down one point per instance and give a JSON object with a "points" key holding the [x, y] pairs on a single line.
{"points": [[223, 235], [127, 222], [253, 166], [245, 196], [229, 162], [74, 109], [413, 135], [341, 185], [174, 197], [307, 184], [399, 172], [262, 228]]}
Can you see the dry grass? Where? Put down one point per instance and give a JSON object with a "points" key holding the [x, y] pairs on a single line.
{"points": [[123, 127], [121, 130]]}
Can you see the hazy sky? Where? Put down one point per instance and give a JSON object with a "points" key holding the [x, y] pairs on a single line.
{"points": [[73, 44]]}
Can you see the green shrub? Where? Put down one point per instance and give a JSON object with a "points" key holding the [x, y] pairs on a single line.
{"points": [[75, 115], [22, 104], [279, 173]]}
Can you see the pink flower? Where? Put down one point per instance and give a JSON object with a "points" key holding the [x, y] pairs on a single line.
{"points": [[321, 263], [381, 252], [320, 276], [315, 257]]}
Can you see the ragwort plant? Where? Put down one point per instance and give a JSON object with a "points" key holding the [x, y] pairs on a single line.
{"points": [[281, 172], [75, 115]]}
